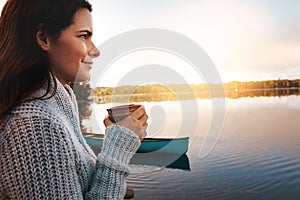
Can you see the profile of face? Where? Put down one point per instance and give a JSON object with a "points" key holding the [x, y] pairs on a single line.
{"points": [[71, 54]]}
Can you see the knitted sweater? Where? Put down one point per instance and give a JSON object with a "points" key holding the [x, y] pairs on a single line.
{"points": [[43, 154]]}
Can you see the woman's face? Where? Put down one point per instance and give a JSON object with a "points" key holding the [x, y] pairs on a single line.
{"points": [[72, 53]]}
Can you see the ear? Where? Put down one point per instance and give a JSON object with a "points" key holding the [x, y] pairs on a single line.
{"points": [[42, 39]]}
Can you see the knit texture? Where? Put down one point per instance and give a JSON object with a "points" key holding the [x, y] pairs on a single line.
{"points": [[43, 154]]}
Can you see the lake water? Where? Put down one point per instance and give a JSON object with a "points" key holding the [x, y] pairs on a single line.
{"points": [[256, 154]]}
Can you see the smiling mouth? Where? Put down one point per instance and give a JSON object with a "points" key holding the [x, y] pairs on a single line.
{"points": [[86, 62]]}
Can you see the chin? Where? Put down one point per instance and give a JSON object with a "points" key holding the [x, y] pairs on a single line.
{"points": [[82, 77]]}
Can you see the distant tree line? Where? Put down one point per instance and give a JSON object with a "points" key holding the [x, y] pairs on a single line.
{"points": [[173, 92]]}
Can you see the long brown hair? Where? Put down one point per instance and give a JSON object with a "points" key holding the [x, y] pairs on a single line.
{"points": [[24, 66]]}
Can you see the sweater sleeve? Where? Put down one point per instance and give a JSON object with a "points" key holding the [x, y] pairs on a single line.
{"points": [[109, 182], [37, 161]]}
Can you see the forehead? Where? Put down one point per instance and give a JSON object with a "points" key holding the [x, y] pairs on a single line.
{"points": [[83, 19]]}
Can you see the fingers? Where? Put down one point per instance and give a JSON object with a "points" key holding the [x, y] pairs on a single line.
{"points": [[107, 122], [143, 132], [138, 113], [136, 122], [143, 119], [143, 136]]}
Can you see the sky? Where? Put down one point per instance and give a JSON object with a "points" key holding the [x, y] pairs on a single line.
{"points": [[245, 39]]}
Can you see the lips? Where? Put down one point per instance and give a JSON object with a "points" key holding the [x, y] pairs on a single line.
{"points": [[87, 62]]}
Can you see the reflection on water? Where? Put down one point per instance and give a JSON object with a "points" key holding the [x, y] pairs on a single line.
{"points": [[255, 157]]}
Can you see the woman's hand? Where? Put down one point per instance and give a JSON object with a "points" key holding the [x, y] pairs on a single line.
{"points": [[136, 122]]}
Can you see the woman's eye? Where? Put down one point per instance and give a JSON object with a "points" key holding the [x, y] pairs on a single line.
{"points": [[84, 36]]}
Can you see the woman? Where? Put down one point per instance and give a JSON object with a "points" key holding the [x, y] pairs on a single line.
{"points": [[46, 44]]}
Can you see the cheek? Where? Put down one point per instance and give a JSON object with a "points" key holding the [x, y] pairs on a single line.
{"points": [[74, 48], [79, 52], [68, 55]]}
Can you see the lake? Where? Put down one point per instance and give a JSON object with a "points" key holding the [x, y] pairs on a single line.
{"points": [[254, 152]]}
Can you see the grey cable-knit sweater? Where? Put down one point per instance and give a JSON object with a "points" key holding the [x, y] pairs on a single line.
{"points": [[43, 154]]}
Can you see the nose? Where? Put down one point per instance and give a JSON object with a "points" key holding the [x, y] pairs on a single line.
{"points": [[94, 52]]}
